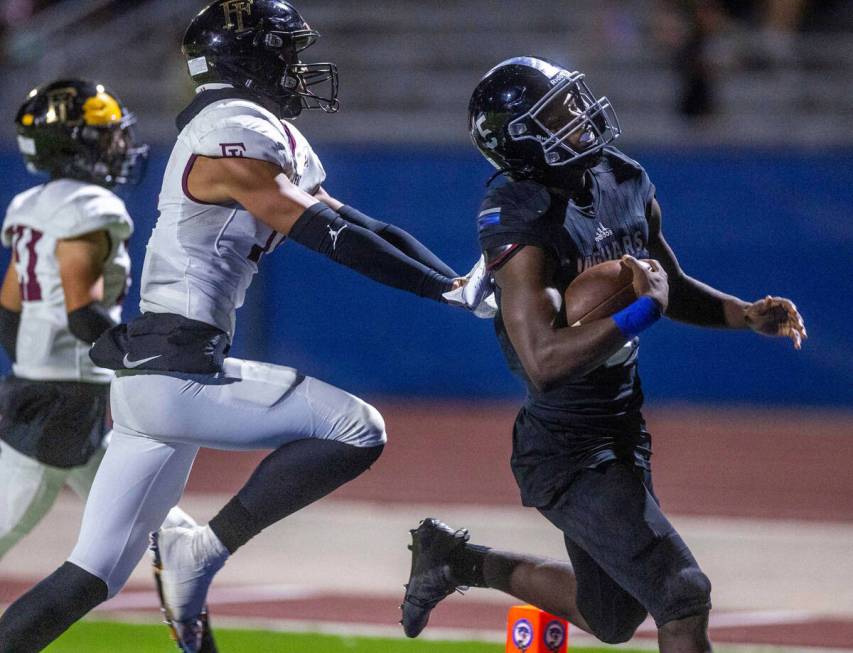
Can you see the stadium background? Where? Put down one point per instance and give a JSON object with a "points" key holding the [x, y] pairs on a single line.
{"points": [[740, 112]]}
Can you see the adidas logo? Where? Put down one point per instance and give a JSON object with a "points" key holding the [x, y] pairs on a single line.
{"points": [[602, 232]]}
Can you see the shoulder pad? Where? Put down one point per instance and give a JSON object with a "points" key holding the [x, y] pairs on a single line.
{"points": [[307, 166], [530, 198], [622, 166], [13, 215], [67, 209], [92, 208], [241, 129], [515, 214]]}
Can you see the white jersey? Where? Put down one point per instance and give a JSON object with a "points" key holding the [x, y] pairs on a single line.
{"points": [[36, 221], [201, 257]]}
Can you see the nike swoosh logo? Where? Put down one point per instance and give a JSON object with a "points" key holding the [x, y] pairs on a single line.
{"points": [[129, 364]]}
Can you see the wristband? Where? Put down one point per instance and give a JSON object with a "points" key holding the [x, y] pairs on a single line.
{"points": [[637, 317], [88, 323]]}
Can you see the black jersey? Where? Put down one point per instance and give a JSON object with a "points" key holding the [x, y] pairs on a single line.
{"points": [[595, 417]]}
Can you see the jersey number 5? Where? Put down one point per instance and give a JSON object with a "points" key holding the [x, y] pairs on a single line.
{"points": [[24, 241]]}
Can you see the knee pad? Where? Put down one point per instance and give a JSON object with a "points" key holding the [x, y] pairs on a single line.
{"points": [[372, 428], [618, 626], [686, 594]]}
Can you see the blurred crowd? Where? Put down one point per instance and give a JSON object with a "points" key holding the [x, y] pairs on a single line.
{"points": [[778, 41], [16, 13], [708, 36]]}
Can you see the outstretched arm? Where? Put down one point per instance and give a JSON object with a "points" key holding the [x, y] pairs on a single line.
{"points": [[694, 302], [529, 308], [399, 238], [266, 192]]}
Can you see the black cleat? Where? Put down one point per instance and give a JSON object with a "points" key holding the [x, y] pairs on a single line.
{"points": [[430, 580]]}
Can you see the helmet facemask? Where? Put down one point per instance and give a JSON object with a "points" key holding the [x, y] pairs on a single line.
{"points": [[299, 78], [568, 122], [116, 157], [296, 85]]}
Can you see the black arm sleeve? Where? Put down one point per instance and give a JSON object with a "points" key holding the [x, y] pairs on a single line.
{"points": [[321, 229], [88, 323], [402, 240], [9, 321]]}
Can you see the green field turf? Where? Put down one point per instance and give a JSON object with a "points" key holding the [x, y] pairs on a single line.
{"points": [[93, 637]]}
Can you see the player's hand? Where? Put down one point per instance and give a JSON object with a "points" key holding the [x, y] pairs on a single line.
{"points": [[327, 199], [649, 279], [776, 316], [474, 291]]}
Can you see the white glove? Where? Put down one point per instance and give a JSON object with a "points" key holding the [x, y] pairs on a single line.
{"points": [[476, 295]]}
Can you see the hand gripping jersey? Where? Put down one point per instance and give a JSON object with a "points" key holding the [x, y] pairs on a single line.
{"points": [[201, 257], [35, 222]]}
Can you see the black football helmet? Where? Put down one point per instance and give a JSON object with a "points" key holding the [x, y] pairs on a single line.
{"points": [[531, 117], [78, 129], [255, 44]]}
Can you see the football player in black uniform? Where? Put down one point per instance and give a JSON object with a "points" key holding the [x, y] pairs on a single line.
{"points": [[580, 446]]}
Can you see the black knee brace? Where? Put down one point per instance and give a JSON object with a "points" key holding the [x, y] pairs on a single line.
{"points": [[49, 609], [685, 594], [618, 624]]}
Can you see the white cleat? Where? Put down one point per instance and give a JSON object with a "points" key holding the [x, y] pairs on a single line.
{"points": [[177, 517], [185, 562]]}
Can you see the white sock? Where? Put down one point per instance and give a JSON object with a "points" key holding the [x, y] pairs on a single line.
{"points": [[212, 550]]}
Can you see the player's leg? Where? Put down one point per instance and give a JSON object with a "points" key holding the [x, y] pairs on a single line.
{"points": [[80, 480], [611, 514], [321, 438], [28, 489], [327, 437], [137, 483], [607, 511], [442, 561]]}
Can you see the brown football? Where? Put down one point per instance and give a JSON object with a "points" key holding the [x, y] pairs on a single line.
{"points": [[598, 292]]}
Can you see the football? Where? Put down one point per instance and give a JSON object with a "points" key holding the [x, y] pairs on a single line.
{"points": [[598, 292]]}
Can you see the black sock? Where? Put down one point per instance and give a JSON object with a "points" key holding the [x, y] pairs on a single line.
{"points": [[49, 609], [466, 565], [293, 476], [234, 525]]}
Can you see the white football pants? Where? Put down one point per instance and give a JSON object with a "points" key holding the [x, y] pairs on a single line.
{"points": [[28, 490], [161, 420]]}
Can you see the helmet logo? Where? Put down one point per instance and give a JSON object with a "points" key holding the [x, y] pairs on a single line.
{"points": [[488, 135], [234, 11], [59, 102], [101, 109]]}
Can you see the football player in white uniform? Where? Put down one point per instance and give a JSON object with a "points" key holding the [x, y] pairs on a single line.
{"points": [[67, 277], [241, 179]]}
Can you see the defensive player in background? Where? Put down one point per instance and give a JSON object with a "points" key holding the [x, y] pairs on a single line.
{"points": [[63, 288], [240, 180], [580, 446]]}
